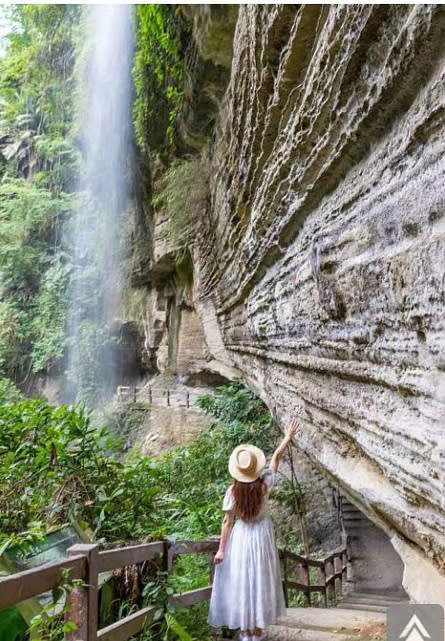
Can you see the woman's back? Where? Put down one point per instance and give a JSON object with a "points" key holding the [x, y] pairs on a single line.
{"points": [[233, 499]]}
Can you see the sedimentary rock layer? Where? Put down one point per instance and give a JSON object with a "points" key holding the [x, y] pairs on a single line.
{"points": [[320, 262]]}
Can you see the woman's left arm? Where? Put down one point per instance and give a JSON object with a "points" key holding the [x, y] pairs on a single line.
{"points": [[290, 433], [226, 528]]}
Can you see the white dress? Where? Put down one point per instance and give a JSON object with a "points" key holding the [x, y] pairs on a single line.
{"points": [[247, 591]]}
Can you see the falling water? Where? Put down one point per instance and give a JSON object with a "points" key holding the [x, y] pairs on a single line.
{"points": [[105, 110]]}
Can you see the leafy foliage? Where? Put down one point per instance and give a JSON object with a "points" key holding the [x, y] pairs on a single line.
{"points": [[38, 164], [32, 277], [54, 464], [9, 392], [195, 477], [52, 622], [158, 74], [182, 195], [36, 75], [49, 317]]}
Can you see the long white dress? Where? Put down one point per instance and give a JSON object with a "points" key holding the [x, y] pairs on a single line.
{"points": [[247, 591]]}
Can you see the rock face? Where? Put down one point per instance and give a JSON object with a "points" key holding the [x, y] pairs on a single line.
{"points": [[319, 264]]}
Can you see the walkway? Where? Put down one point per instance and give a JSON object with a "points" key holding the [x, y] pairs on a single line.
{"points": [[329, 624]]}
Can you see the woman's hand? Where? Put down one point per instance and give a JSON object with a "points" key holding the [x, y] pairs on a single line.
{"points": [[290, 432], [218, 558], [292, 429]]}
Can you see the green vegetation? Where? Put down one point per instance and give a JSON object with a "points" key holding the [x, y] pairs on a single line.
{"points": [[9, 392], [38, 164], [39, 168], [32, 276], [158, 75], [55, 464], [182, 194]]}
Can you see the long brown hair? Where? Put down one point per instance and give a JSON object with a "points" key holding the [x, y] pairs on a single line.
{"points": [[248, 498]]}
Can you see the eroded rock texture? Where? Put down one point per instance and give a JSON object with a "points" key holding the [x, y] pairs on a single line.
{"points": [[320, 262]]}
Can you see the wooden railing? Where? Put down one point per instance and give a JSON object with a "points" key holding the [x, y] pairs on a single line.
{"points": [[127, 394], [169, 397], [86, 562], [330, 572]]}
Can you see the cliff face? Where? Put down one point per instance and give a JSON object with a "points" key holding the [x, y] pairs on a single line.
{"points": [[319, 263]]}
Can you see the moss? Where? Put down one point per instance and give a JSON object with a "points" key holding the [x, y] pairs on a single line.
{"points": [[134, 303], [127, 418]]}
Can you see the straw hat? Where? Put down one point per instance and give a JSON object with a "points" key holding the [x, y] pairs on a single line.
{"points": [[246, 463]]}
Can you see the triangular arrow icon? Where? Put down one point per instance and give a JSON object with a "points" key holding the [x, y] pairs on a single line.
{"points": [[415, 635], [418, 631]]}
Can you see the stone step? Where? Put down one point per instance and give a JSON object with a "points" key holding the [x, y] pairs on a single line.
{"points": [[323, 624], [371, 607], [365, 601], [285, 633], [328, 618], [390, 597]]}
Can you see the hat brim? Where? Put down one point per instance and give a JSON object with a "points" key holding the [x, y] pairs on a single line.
{"points": [[237, 474]]}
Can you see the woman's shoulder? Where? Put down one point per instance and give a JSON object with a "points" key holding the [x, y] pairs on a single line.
{"points": [[228, 500], [269, 477]]}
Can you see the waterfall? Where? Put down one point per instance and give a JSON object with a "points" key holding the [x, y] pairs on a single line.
{"points": [[94, 238]]}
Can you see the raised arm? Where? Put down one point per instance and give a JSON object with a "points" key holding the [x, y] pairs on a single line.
{"points": [[289, 434]]}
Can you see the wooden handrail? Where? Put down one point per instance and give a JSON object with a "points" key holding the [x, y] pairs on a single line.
{"points": [[190, 547], [191, 597], [304, 560], [128, 627], [86, 566], [86, 562], [127, 393], [120, 557], [330, 577], [30, 583]]}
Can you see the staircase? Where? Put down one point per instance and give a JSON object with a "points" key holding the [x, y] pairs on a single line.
{"points": [[372, 602], [374, 577]]}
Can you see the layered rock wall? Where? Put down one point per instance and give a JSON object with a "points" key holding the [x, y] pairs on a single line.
{"points": [[320, 260]]}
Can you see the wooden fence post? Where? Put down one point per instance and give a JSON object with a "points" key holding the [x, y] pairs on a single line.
{"points": [[306, 580], [322, 580], [82, 601], [215, 538], [150, 396], [344, 564], [168, 398], [329, 569], [165, 556], [187, 399], [283, 559], [338, 582]]}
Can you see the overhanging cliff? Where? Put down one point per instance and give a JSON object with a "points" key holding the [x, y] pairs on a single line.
{"points": [[319, 261]]}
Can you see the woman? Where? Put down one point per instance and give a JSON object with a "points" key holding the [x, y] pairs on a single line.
{"points": [[247, 591]]}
